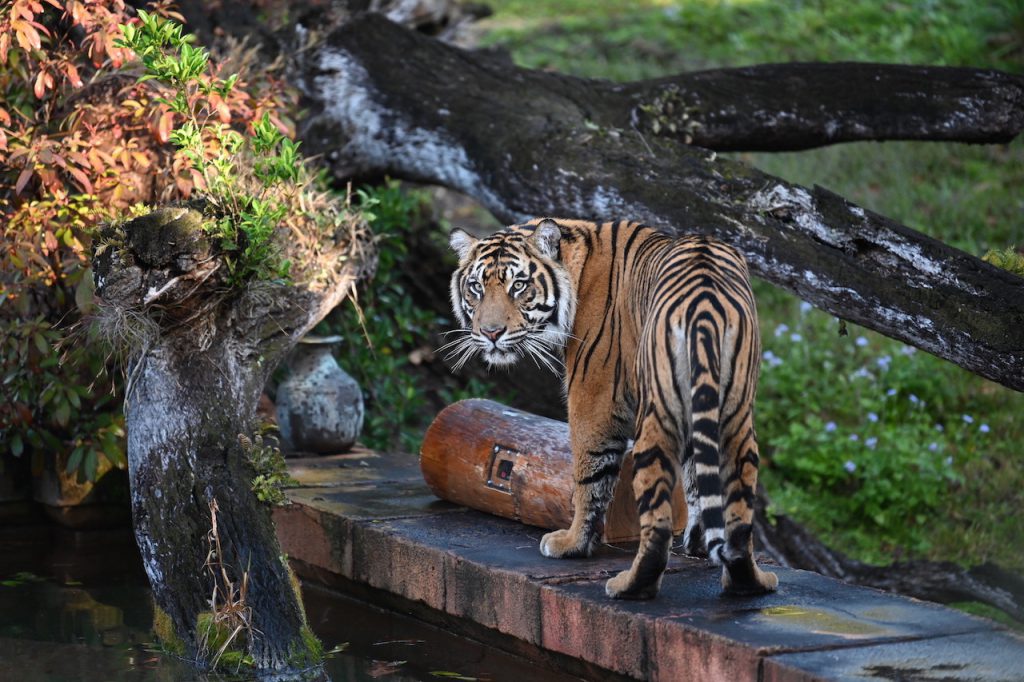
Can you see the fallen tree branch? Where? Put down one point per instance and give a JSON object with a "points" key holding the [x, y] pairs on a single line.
{"points": [[786, 107], [529, 143], [792, 545]]}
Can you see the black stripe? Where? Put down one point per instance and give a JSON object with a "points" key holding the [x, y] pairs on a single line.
{"points": [[611, 469]]}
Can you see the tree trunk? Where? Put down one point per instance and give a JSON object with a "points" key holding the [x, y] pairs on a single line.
{"points": [[383, 99], [200, 354]]}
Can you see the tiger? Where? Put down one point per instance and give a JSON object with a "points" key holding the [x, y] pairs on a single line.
{"points": [[658, 338]]}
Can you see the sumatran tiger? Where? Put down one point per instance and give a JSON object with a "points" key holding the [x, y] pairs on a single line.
{"points": [[661, 347]]}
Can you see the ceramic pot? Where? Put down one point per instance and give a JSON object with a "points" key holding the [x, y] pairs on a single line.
{"points": [[319, 406]]}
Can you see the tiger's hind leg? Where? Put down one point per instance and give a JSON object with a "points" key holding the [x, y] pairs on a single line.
{"points": [[740, 573], [654, 477]]}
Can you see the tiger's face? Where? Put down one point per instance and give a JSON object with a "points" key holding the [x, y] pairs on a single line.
{"points": [[511, 297]]}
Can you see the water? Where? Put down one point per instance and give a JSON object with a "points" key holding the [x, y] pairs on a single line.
{"points": [[75, 607]]}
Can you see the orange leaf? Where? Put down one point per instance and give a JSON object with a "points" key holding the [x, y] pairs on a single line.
{"points": [[141, 159], [5, 46], [22, 180], [3, 140], [5, 118], [73, 76], [40, 87], [26, 36], [164, 127]]}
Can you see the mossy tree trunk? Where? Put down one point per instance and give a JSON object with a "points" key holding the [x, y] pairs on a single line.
{"points": [[200, 352], [383, 99]]}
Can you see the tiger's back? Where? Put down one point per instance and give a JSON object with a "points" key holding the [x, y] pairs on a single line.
{"points": [[662, 349]]}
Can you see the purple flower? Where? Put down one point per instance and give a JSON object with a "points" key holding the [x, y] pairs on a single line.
{"points": [[984, 428], [940, 428], [872, 417], [871, 442], [795, 338], [854, 436], [850, 466], [913, 398], [830, 427], [862, 373], [805, 306], [949, 461], [934, 447], [908, 350], [781, 329], [891, 392], [772, 359], [969, 419], [861, 341]]}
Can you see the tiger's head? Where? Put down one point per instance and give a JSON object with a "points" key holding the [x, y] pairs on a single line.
{"points": [[511, 296]]}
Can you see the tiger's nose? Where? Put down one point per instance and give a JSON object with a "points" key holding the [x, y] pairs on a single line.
{"points": [[493, 333]]}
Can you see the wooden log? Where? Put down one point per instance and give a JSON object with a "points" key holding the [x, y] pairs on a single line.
{"points": [[496, 459]]}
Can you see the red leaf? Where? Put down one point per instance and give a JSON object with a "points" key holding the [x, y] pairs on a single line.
{"points": [[22, 180], [83, 179]]}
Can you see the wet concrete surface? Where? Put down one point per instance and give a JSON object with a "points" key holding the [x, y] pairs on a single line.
{"points": [[370, 519]]}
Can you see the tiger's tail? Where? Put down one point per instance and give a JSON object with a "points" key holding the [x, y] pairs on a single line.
{"points": [[702, 458]]}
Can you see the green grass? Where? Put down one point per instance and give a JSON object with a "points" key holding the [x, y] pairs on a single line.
{"points": [[897, 495]]}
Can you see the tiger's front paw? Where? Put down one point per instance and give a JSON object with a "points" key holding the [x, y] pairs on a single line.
{"points": [[564, 544], [625, 586]]}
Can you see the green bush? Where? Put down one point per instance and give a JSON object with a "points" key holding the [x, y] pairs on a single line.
{"points": [[865, 438]]}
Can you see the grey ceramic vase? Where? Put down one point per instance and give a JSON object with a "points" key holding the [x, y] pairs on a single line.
{"points": [[319, 406]]}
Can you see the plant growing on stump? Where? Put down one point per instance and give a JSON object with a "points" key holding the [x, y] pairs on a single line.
{"points": [[205, 298]]}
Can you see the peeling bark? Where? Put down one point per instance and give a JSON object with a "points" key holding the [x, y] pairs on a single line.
{"points": [[201, 352], [383, 99]]}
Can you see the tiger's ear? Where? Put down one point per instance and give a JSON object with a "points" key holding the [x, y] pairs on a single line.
{"points": [[546, 238], [461, 242]]}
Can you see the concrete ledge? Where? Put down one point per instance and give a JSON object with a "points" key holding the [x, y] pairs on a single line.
{"points": [[371, 520]]}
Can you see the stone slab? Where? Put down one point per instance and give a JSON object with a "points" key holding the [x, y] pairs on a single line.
{"points": [[371, 520]]}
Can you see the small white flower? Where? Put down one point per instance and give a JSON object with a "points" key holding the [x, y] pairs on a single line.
{"points": [[850, 466], [872, 417], [795, 338], [984, 428], [871, 442], [891, 392], [805, 307], [830, 427], [781, 329], [969, 419], [933, 446], [861, 341]]}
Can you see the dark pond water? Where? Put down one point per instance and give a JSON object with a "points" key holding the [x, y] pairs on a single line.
{"points": [[75, 607]]}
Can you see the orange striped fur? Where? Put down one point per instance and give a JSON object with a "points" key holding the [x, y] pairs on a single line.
{"points": [[659, 340]]}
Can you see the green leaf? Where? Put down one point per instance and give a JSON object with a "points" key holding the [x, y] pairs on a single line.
{"points": [[91, 462], [63, 413], [75, 459]]}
